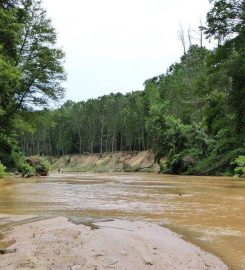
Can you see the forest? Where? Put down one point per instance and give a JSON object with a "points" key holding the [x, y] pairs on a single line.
{"points": [[192, 116]]}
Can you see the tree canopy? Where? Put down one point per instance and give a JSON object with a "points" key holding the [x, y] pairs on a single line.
{"points": [[31, 66]]}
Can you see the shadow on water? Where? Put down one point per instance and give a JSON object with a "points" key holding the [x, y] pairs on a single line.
{"points": [[237, 186]]}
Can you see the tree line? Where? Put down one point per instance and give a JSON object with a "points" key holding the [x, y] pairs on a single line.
{"points": [[192, 116]]}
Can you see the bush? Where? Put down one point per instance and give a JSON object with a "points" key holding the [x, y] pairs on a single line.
{"points": [[218, 163], [2, 170], [8, 146], [12, 157], [187, 144], [26, 170], [183, 163], [240, 166], [39, 166], [21, 165], [14, 160]]}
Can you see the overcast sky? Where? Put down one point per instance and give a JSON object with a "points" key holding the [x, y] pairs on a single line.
{"points": [[115, 45]]}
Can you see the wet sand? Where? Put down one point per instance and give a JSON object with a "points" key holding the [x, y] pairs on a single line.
{"points": [[9, 219], [57, 243]]}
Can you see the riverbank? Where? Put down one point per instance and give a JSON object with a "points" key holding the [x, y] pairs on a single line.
{"points": [[57, 243], [107, 162]]}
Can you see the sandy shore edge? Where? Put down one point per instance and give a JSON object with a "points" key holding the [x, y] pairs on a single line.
{"points": [[59, 244]]}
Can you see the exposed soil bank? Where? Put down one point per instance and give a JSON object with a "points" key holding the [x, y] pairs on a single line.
{"points": [[59, 244], [116, 162]]}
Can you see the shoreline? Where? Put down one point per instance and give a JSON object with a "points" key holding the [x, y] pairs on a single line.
{"points": [[57, 243]]}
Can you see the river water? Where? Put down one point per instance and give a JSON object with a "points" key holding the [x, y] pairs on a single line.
{"points": [[207, 211]]}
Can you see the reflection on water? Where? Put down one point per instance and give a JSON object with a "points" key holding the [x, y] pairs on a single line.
{"points": [[207, 211]]}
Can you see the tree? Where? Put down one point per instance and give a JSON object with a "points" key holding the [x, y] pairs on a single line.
{"points": [[34, 57], [226, 21], [31, 67], [39, 59]]}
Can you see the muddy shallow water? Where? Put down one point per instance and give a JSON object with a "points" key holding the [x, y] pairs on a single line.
{"points": [[208, 211]]}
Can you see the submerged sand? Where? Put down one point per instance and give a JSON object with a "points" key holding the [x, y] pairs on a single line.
{"points": [[8, 219], [59, 244]]}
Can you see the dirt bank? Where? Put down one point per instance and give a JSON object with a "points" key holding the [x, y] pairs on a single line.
{"points": [[116, 162], [59, 244]]}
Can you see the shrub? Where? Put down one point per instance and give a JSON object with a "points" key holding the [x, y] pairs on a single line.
{"points": [[39, 166], [187, 144], [21, 165], [240, 166], [12, 157], [2, 170], [26, 170], [218, 163]]}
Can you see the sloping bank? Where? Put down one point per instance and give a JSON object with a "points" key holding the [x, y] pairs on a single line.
{"points": [[116, 162], [59, 244]]}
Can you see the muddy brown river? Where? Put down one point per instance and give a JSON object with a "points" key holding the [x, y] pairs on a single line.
{"points": [[207, 211]]}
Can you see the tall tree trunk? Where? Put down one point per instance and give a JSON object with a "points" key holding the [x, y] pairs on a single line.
{"points": [[62, 146], [113, 142], [101, 136], [143, 136], [92, 141], [80, 141], [139, 142], [38, 143], [106, 143], [49, 144], [121, 142]]}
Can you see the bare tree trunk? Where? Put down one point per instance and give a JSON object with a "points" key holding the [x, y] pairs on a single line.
{"points": [[182, 38], [189, 37]]}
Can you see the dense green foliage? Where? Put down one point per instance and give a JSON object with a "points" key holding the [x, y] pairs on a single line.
{"points": [[192, 116], [240, 166], [111, 123], [30, 71], [2, 170]]}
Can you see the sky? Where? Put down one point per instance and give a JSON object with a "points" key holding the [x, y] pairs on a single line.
{"points": [[115, 45]]}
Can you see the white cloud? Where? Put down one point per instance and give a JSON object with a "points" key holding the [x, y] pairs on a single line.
{"points": [[115, 45]]}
